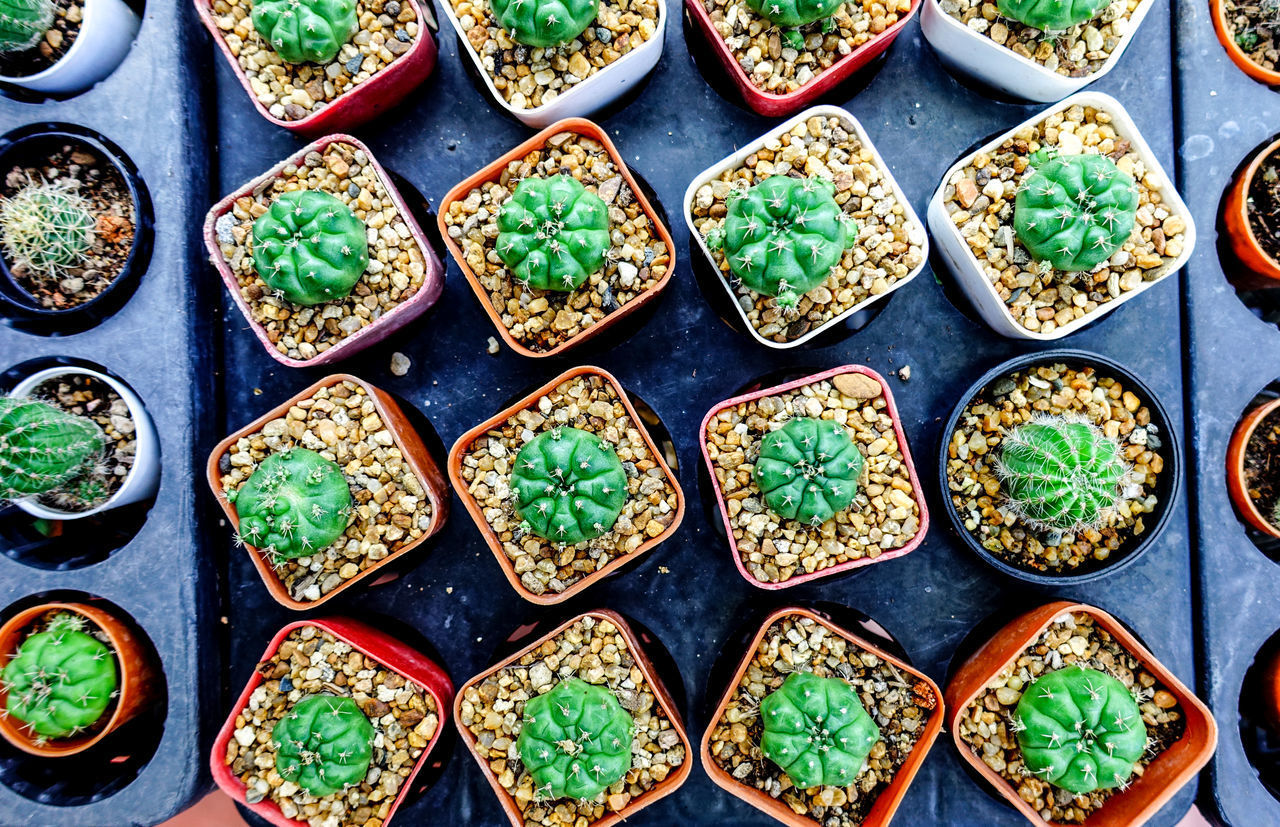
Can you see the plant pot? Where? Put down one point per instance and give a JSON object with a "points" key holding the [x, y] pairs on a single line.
{"points": [[1268, 76], [493, 173], [374, 644], [459, 455], [396, 316], [1269, 690], [136, 673], [106, 33], [359, 104], [886, 803], [1260, 270], [465, 701], [914, 262], [1237, 485], [415, 456], [1163, 777]]}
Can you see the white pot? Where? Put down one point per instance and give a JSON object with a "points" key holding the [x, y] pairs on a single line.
{"points": [[106, 33], [596, 92], [143, 478], [967, 270], [736, 160]]}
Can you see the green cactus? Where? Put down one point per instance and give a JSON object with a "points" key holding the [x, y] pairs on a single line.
{"points": [[816, 730], [1080, 730], [808, 470], [544, 23], [61, 680], [23, 23], [568, 485], [43, 448], [1051, 15], [575, 741], [324, 745], [47, 227], [305, 30], [791, 14], [310, 247], [553, 233], [294, 504]]}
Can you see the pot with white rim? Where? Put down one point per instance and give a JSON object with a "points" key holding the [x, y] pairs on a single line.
{"points": [[107, 29]]}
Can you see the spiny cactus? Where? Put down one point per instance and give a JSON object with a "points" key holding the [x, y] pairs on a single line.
{"points": [[575, 741], [1051, 15], [1080, 729], [310, 247], [553, 233], [294, 504], [305, 30], [47, 227], [569, 485], [808, 470], [23, 23], [544, 23], [324, 744], [816, 730], [61, 680], [43, 448], [791, 14]]}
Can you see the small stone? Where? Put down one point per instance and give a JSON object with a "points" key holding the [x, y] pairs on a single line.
{"points": [[857, 385], [399, 364]]}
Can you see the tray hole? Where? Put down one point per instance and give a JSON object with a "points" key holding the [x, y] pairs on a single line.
{"points": [[1259, 464], [1258, 733]]}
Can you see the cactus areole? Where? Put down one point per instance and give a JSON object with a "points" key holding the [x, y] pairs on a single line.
{"points": [[23, 23], [324, 744], [43, 448], [569, 485], [295, 503], [816, 730], [808, 470], [310, 247], [305, 30], [575, 741], [1051, 15], [61, 680], [553, 233], [544, 23]]}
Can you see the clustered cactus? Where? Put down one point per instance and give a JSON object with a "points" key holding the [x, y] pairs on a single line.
{"points": [[808, 470], [324, 745], [575, 741], [294, 504], [45, 449], [544, 23], [305, 30], [23, 23], [790, 15], [61, 680], [47, 227], [310, 247], [1051, 15], [553, 233], [816, 730], [569, 485]]}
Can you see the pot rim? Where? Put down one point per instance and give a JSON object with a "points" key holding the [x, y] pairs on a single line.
{"points": [[1245, 180]]}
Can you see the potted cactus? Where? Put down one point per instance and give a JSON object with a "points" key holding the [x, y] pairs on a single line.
{"points": [[1252, 483], [1249, 215], [63, 47], [1248, 31]]}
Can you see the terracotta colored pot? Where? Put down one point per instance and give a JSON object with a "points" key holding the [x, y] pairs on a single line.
{"points": [[357, 105], [902, 445], [411, 448], [1237, 487], [370, 334], [1237, 55], [664, 788], [1163, 777], [887, 802], [587, 129], [136, 677], [398, 657], [1260, 269], [491, 537]]}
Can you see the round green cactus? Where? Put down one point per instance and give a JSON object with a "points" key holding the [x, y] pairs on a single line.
{"points": [[553, 233], [1051, 15], [575, 741], [808, 470], [61, 680], [23, 23], [545, 23], [794, 12], [305, 30], [816, 730], [43, 448], [47, 227], [569, 485], [324, 744], [294, 504], [1080, 730], [1074, 211], [310, 247]]}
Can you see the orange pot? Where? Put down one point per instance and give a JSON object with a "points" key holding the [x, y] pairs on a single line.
{"points": [[493, 171], [137, 674], [411, 448], [1260, 270], [1237, 487], [1237, 55], [1172, 769]]}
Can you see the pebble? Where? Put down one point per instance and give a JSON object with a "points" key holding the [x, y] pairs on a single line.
{"points": [[400, 364]]}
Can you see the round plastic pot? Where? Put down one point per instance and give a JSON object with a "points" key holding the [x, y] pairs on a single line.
{"points": [[1237, 486], [1260, 270], [106, 33], [1237, 55]]}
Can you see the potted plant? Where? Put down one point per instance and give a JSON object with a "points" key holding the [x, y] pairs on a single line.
{"points": [[1128, 228], [348, 742], [848, 763], [636, 743], [1251, 481], [571, 175], [64, 46], [350, 67], [1068, 679], [363, 490], [837, 432], [359, 238], [1248, 32], [862, 242], [1251, 218]]}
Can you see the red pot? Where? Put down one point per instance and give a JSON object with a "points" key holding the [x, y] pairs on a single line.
{"points": [[1237, 487], [1260, 269]]}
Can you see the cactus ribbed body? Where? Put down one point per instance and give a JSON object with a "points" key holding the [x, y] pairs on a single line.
{"points": [[47, 227], [1051, 15], [575, 741], [324, 744], [816, 730], [43, 447], [569, 485], [544, 23], [295, 503], [61, 680], [305, 30], [808, 470], [1075, 211], [23, 23], [310, 246], [794, 12], [553, 233]]}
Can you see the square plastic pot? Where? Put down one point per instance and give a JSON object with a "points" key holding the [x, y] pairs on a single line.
{"points": [[738, 158], [398, 657], [966, 269], [411, 448], [370, 334], [892, 408]]}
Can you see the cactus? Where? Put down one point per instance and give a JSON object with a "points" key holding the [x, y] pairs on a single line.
{"points": [[789, 15], [575, 741], [47, 227], [294, 504], [568, 485], [61, 680], [324, 744], [544, 23], [1051, 15], [43, 448], [305, 30], [310, 247], [1080, 730], [553, 233], [1074, 211], [23, 23], [816, 730], [808, 470]]}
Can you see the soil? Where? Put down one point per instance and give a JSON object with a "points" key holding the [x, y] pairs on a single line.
{"points": [[1262, 465], [1255, 28], [68, 15], [1263, 202]]}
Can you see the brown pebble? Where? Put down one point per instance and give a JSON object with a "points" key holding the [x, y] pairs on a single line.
{"points": [[857, 385]]}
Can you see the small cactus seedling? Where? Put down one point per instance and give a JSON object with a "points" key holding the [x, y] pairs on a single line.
{"points": [[324, 745], [816, 730], [575, 741], [23, 23], [569, 485], [553, 233], [1060, 474], [43, 448], [1080, 730], [1051, 15], [310, 246], [1275, 514], [808, 470], [47, 227], [61, 680], [294, 504], [305, 30], [790, 15], [544, 23]]}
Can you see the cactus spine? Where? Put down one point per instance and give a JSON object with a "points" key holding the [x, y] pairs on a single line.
{"points": [[23, 23], [295, 504], [47, 227], [324, 745], [43, 448], [61, 680], [569, 485], [816, 730], [575, 741]]}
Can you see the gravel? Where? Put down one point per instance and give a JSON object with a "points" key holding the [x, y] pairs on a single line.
{"points": [[95, 400]]}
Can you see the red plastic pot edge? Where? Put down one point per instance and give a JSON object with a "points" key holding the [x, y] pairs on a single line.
{"points": [[1236, 450]]}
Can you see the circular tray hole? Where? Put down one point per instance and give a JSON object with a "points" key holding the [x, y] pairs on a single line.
{"points": [[1261, 466], [20, 93], [1259, 735]]}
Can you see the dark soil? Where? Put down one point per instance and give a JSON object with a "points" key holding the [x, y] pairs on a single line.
{"points": [[1255, 27], [1262, 465], [57, 41], [89, 397]]}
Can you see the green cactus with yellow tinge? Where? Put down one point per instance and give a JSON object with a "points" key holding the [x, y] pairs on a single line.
{"points": [[575, 741], [324, 744], [302, 31], [295, 504], [544, 23], [310, 247], [43, 448], [23, 23], [61, 680]]}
